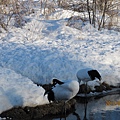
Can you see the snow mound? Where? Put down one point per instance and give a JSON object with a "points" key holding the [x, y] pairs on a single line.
{"points": [[16, 90]]}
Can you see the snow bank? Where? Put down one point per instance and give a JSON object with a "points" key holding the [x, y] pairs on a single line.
{"points": [[16, 90], [48, 48]]}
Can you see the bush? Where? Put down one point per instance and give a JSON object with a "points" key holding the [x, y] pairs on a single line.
{"points": [[15, 10]]}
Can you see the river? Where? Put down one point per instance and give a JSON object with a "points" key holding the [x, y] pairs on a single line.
{"points": [[105, 108]]}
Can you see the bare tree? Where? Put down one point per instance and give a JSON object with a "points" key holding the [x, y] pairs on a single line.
{"points": [[102, 12], [88, 10], [108, 9]]}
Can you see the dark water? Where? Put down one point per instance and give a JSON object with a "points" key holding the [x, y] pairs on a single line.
{"points": [[105, 108]]}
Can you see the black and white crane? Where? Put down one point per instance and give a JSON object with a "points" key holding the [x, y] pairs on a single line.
{"points": [[88, 74], [91, 77], [62, 91]]}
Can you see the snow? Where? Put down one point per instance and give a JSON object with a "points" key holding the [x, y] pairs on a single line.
{"points": [[94, 83], [16, 90], [46, 49]]}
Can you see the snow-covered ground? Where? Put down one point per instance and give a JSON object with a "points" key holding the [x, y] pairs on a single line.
{"points": [[46, 49]]}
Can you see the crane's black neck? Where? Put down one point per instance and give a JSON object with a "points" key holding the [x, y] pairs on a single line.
{"points": [[56, 81]]}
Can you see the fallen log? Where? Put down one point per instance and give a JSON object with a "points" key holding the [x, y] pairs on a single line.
{"points": [[39, 112]]}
